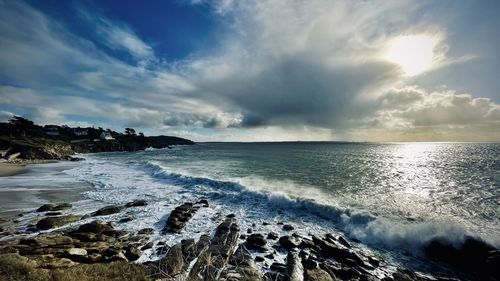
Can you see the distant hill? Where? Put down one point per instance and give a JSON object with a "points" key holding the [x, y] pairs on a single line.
{"points": [[21, 139]]}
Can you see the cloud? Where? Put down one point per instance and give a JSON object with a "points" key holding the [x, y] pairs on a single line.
{"points": [[119, 36], [288, 68]]}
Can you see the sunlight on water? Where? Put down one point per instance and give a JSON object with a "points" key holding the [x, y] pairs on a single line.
{"points": [[412, 162]]}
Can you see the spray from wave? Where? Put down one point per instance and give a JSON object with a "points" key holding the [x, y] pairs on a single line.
{"points": [[385, 232]]}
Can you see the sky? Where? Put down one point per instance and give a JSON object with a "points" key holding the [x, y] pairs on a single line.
{"points": [[257, 70]]}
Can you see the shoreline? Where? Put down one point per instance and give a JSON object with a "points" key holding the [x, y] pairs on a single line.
{"points": [[11, 169]]}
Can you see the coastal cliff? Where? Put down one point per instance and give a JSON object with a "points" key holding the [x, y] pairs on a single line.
{"points": [[22, 140]]}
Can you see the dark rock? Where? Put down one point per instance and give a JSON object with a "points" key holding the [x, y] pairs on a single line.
{"points": [[256, 241], [46, 207], [278, 267], [202, 244], [52, 207], [330, 250], [147, 231], [95, 227], [344, 242], [149, 245], [373, 261], [243, 236], [203, 202], [231, 216], [126, 219], [108, 210], [212, 262], [259, 259], [51, 214], [249, 230], [179, 217], [132, 253], [136, 203], [288, 227], [52, 222], [289, 242], [270, 256], [295, 270], [310, 264], [272, 235], [474, 256]]}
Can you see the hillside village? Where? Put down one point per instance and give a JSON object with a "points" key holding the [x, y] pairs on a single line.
{"points": [[21, 139]]}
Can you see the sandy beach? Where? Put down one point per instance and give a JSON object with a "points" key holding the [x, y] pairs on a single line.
{"points": [[9, 169]]}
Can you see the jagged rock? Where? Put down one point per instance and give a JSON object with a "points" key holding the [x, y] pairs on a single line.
{"points": [[52, 207], [188, 249], [259, 259], [318, 274], [344, 255], [148, 245], [46, 207], [295, 270], [289, 242], [202, 244], [126, 219], [179, 217], [211, 262], [173, 263], [95, 227], [278, 267], [147, 231], [136, 203], [108, 210], [203, 202], [474, 256], [47, 241], [51, 222], [132, 253], [273, 235], [256, 241]]}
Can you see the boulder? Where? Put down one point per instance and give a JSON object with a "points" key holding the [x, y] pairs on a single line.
{"points": [[473, 256], [288, 227], [289, 242], [108, 210], [272, 235], [256, 241], [132, 253], [147, 231], [294, 268], [212, 262], [46, 207], [52, 222], [136, 203], [179, 217], [318, 274]]}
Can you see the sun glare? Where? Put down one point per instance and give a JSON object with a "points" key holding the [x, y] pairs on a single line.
{"points": [[413, 53]]}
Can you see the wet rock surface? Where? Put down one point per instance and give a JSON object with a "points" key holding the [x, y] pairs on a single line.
{"points": [[221, 253]]}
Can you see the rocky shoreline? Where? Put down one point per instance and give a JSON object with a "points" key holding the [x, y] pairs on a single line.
{"points": [[223, 253]]}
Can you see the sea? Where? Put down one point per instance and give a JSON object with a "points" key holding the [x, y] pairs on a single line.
{"points": [[389, 199]]}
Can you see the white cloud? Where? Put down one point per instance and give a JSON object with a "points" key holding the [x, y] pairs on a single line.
{"points": [[291, 69]]}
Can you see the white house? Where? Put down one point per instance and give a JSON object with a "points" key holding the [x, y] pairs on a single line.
{"points": [[80, 132], [51, 130], [106, 136]]}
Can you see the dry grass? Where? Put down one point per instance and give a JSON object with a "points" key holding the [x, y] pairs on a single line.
{"points": [[16, 268]]}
